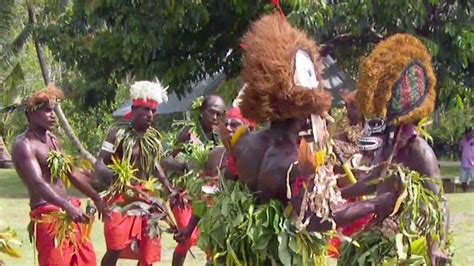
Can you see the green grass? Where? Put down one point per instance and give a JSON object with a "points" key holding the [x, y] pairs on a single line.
{"points": [[450, 170], [14, 211]]}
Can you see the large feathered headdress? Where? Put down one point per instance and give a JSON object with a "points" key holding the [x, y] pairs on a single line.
{"points": [[397, 81], [278, 63]]}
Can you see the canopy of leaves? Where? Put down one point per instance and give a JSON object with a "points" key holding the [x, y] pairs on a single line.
{"points": [[183, 41], [178, 41], [349, 29]]}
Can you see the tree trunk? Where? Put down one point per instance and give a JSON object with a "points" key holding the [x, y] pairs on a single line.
{"points": [[5, 157], [58, 110]]}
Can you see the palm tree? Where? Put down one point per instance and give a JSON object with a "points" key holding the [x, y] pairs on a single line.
{"points": [[9, 63]]}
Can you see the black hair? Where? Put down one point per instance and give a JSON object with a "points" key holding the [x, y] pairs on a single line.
{"points": [[207, 100]]}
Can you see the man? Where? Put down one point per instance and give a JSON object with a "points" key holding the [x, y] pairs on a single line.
{"points": [[218, 162], [347, 133], [294, 103], [466, 149], [137, 143], [48, 195], [219, 157], [396, 89], [205, 117], [201, 130], [280, 67]]}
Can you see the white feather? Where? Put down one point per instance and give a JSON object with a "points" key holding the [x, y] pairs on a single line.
{"points": [[148, 90]]}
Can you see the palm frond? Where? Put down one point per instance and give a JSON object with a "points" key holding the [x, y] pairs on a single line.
{"points": [[9, 55], [11, 88], [8, 19]]}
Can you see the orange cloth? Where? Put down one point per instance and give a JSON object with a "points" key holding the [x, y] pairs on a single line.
{"points": [[80, 253], [182, 217], [120, 230]]}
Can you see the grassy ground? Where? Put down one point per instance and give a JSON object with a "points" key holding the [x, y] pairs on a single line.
{"points": [[450, 170], [14, 211]]}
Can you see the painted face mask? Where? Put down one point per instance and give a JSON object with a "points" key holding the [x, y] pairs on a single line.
{"points": [[371, 138]]}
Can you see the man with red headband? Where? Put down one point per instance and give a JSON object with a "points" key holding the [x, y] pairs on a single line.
{"points": [[139, 143], [218, 162]]}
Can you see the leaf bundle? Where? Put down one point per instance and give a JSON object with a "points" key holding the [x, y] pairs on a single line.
{"points": [[240, 232], [9, 244]]}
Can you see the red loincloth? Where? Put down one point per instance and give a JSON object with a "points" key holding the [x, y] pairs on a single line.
{"points": [[80, 253], [120, 230], [348, 230], [182, 217]]}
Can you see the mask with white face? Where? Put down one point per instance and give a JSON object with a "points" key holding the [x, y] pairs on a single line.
{"points": [[305, 72]]}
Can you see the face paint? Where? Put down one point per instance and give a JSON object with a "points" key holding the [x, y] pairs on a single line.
{"points": [[372, 138]]}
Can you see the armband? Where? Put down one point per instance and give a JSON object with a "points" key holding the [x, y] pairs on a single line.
{"points": [[108, 147]]}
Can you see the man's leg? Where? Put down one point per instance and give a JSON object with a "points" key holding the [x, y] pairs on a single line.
{"points": [[464, 178], [178, 258], [110, 258], [470, 172]]}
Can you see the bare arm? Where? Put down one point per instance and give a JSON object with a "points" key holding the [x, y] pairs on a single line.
{"points": [[103, 174], [162, 178], [172, 164], [364, 185], [342, 216], [427, 165], [80, 180]]}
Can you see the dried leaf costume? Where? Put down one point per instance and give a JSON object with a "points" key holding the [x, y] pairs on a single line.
{"points": [[396, 89]]}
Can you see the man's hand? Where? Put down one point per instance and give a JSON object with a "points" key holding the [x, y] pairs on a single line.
{"points": [[438, 258], [185, 167], [384, 204], [77, 215], [104, 212]]}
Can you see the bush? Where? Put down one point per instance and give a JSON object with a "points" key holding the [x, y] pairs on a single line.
{"points": [[448, 129]]}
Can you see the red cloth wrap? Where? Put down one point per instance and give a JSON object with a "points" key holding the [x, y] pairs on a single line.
{"points": [[232, 164], [120, 230], [182, 217], [348, 230], [80, 253]]}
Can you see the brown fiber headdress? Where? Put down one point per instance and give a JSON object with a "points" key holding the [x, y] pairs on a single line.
{"points": [[268, 69], [397, 81], [50, 94]]}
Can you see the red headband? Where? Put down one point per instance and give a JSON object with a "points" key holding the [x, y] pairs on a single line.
{"points": [[140, 102], [145, 103], [235, 113]]}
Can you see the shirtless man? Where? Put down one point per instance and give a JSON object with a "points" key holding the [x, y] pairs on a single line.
{"points": [[390, 133], [201, 131], [123, 231], [284, 88], [48, 193], [218, 163]]}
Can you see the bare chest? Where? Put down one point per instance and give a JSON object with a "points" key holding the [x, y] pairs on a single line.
{"points": [[42, 152]]}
